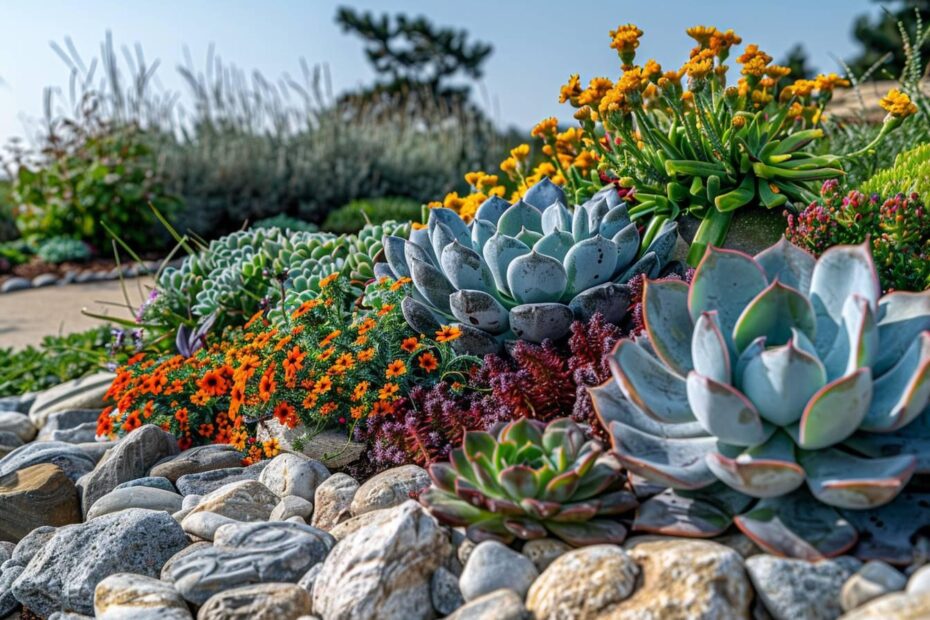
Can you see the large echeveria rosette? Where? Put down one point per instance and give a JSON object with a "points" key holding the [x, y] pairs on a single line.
{"points": [[785, 378], [524, 270]]}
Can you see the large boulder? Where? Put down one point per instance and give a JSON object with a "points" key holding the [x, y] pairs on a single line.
{"points": [[36, 496], [263, 601], [64, 573], [383, 570], [70, 459], [197, 460], [248, 500], [389, 488], [129, 459], [126, 596], [84, 393], [207, 481], [292, 474]]}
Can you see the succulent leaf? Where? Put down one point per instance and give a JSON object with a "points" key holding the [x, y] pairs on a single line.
{"points": [[902, 393], [466, 269], [668, 323], [845, 481], [543, 194], [556, 218], [709, 351], [675, 463], [555, 244], [481, 310], [788, 264], [768, 470], [820, 426], [902, 316], [519, 216], [780, 381], [499, 252], [589, 263], [536, 322], [725, 412], [491, 210]]}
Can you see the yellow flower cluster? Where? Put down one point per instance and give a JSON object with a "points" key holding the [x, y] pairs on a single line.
{"points": [[625, 39], [483, 186], [898, 104]]}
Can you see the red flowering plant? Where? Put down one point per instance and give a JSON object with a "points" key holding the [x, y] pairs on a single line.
{"points": [[320, 365]]}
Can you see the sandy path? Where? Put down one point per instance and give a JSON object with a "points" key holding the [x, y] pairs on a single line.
{"points": [[27, 316]]}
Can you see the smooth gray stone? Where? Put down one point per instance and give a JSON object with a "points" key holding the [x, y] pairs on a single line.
{"points": [[18, 424], [445, 592], [31, 544], [85, 433], [498, 605], [258, 602], [20, 403], [291, 506], [333, 500], [96, 449], [6, 550], [196, 460], [15, 284], [72, 460], [776, 582], [135, 497], [492, 566], [8, 603], [249, 553], [44, 279], [84, 393], [292, 474], [64, 574], [125, 596], [9, 442], [131, 458], [68, 419], [153, 482], [389, 488], [204, 524], [209, 481]]}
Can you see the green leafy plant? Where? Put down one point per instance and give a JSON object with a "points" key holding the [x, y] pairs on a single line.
{"points": [[59, 250], [782, 378], [353, 216], [8, 230], [910, 173], [525, 270], [529, 480], [286, 223]]}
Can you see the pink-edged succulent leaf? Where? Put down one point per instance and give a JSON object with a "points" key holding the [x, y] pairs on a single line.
{"points": [[502, 506], [798, 526], [835, 411], [521, 432], [443, 476], [903, 392], [478, 442], [611, 405], [586, 460], [562, 487], [773, 313], [605, 474], [902, 316], [470, 493], [462, 465], [576, 512], [668, 323], [562, 433], [519, 481], [524, 528], [780, 381], [504, 453], [486, 475], [856, 343], [701, 514], [845, 481], [593, 532], [449, 509], [841, 272], [616, 503], [888, 533], [725, 281], [725, 412], [768, 470], [676, 463], [540, 509], [649, 384], [489, 529], [788, 264], [913, 440], [711, 353]]}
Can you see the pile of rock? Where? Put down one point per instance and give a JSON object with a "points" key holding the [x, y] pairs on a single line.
{"points": [[136, 529]]}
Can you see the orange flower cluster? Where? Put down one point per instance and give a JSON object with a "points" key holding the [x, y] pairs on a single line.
{"points": [[320, 368]]}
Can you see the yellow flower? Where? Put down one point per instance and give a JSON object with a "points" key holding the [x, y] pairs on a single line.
{"points": [[700, 65], [395, 369], [509, 165], [570, 90], [597, 88], [827, 83], [546, 128], [898, 104], [701, 34], [521, 152], [448, 333], [328, 279], [777, 71], [625, 39], [802, 88]]}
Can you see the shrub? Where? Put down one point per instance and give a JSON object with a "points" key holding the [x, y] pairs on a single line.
{"points": [[286, 223], [58, 250], [8, 230], [353, 216], [909, 174]]}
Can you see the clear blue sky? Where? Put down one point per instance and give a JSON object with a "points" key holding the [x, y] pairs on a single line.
{"points": [[536, 43]]}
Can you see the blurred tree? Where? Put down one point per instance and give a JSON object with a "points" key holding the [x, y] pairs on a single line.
{"points": [[880, 38], [414, 58], [797, 60]]}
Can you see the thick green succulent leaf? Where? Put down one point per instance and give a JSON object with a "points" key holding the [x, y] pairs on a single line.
{"points": [[700, 514], [450, 509], [615, 503], [788, 264], [561, 488], [431, 284], [610, 299], [465, 268], [576, 512], [419, 317], [443, 476], [441, 236], [535, 278], [888, 533], [474, 341], [913, 439], [499, 252], [781, 381], [725, 281], [421, 239], [610, 405], [601, 477], [555, 244], [524, 528], [836, 411], [903, 392], [556, 218], [544, 193], [593, 532], [519, 481], [840, 273], [798, 526], [536, 322], [588, 263], [845, 481], [519, 216], [394, 254], [480, 310], [540, 509], [481, 231], [627, 240], [617, 219], [504, 454], [449, 219], [675, 463], [649, 384], [491, 210], [529, 237], [580, 225], [477, 443], [768, 470], [668, 323], [648, 265], [902, 316], [562, 433], [773, 313], [856, 341], [710, 354], [725, 412], [462, 466], [491, 528], [521, 432], [663, 244]]}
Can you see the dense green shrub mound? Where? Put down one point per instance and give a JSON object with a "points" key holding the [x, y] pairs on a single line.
{"points": [[59, 250], [286, 222], [353, 216], [910, 173]]}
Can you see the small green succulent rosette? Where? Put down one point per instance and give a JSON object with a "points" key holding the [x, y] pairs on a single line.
{"points": [[530, 481], [525, 270], [783, 391]]}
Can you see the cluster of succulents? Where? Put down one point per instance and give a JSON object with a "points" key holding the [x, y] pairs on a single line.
{"points": [[236, 275], [781, 378], [57, 250], [910, 173], [524, 270], [528, 481], [286, 222]]}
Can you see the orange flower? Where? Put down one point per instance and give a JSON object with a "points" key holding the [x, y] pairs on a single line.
{"points": [[366, 325], [200, 399], [181, 416], [388, 391], [359, 392], [361, 341], [323, 385], [294, 360], [213, 383], [271, 448], [205, 430], [381, 408], [105, 423], [325, 355], [328, 279], [286, 415], [357, 412], [327, 409], [366, 355], [283, 343], [132, 422], [332, 336], [267, 385], [400, 283], [448, 333], [428, 362], [236, 396], [310, 401], [410, 344], [385, 309], [148, 410], [305, 307], [395, 369]]}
